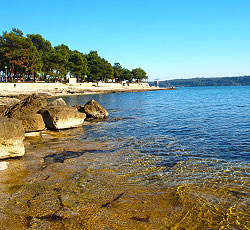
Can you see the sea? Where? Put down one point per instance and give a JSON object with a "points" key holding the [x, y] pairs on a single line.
{"points": [[193, 141], [168, 159]]}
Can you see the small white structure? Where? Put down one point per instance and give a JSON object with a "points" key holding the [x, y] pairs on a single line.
{"points": [[72, 81], [99, 83]]}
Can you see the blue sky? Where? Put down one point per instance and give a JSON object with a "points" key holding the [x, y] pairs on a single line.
{"points": [[169, 39]]}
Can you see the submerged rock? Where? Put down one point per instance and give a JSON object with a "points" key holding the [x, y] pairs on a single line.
{"points": [[62, 117], [33, 122], [94, 110], [11, 138]]}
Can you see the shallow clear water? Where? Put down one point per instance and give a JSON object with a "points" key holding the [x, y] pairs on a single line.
{"points": [[175, 159], [194, 139]]}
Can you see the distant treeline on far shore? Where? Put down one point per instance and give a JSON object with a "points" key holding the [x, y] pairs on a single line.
{"points": [[31, 58], [193, 82]]}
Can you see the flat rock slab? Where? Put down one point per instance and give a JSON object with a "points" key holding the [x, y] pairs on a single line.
{"points": [[11, 138], [62, 117]]}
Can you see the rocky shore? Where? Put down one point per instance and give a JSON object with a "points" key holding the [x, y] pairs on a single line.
{"points": [[25, 109], [31, 114]]}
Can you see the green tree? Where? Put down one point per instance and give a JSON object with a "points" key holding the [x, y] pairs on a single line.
{"points": [[16, 52], [47, 53], [62, 59], [94, 66], [127, 75], [99, 68], [118, 71], [35, 63], [139, 74], [32, 55], [106, 70], [77, 65]]}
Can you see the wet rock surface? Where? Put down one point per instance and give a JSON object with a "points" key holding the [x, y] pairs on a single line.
{"points": [[11, 138]]}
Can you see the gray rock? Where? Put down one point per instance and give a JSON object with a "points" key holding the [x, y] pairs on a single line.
{"points": [[55, 102], [93, 109], [62, 117], [11, 138], [33, 122]]}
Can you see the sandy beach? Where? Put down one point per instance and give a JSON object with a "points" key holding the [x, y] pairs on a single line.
{"points": [[60, 89]]}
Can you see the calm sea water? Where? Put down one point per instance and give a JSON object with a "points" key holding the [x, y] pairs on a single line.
{"points": [[192, 140], [203, 123]]}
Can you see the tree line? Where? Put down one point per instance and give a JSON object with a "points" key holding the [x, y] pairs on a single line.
{"points": [[32, 58]]}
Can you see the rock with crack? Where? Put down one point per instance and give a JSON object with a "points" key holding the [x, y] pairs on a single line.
{"points": [[11, 138], [62, 117]]}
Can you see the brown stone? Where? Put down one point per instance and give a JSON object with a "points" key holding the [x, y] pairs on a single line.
{"points": [[94, 110], [11, 138], [33, 122]]}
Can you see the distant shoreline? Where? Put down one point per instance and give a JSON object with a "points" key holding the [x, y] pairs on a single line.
{"points": [[200, 82], [60, 89]]}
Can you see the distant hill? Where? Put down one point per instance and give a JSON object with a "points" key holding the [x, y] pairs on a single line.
{"points": [[193, 82]]}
